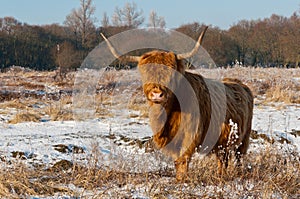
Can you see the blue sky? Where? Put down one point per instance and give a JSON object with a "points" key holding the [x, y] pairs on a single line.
{"points": [[221, 13]]}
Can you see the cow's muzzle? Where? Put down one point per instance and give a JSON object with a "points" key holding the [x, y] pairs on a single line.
{"points": [[157, 96]]}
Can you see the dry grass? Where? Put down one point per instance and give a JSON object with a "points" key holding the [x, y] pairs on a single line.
{"points": [[33, 110], [25, 116], [60, 110], [264, 175], [16, 104], [271, 173], [267, 84]]}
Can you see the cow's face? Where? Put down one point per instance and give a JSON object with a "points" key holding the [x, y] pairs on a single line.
{"points": [[158, 70]]}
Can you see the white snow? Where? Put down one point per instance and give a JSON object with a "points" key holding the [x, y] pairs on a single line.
{"points": [[277, 122], [37, 141], [39, 138]]}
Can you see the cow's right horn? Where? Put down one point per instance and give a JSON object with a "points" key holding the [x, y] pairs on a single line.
{"points": [[195, 49], [116, 54]]}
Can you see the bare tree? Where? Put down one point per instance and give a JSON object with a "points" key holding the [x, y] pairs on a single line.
{"points": [[67, 59], [1, 24], [128, 16], [105, 20], [8, 24], [156, 21], [241, 33], [81, 20]]}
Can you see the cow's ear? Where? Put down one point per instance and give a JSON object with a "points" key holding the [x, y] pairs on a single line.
{"points": [[180, 66], [175, 62]]}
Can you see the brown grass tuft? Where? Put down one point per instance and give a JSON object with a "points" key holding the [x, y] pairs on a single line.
{"points": [[25, 116], [60, 110], [267, 84], [16, 104], [272, 173]]}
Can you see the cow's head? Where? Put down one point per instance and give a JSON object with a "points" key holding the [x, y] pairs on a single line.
{"points": [[158, 69]]}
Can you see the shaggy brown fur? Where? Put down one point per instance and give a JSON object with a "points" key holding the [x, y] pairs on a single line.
{"points": [[189, 112], [178, 130]]}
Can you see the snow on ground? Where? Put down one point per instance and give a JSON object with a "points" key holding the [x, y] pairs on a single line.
{"points": [[41, 139], [115, 139], [38, 141], [278, 122]]}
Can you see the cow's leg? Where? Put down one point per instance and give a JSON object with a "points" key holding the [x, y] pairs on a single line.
{"points": [[222, 159], [181, 165], [242, 149]]}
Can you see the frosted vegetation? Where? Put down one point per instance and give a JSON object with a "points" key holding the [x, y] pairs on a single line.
{"points": [[48, 151]]}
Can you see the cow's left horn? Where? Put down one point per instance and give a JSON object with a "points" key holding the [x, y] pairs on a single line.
{"points": [[195, 49], [116, 54]]}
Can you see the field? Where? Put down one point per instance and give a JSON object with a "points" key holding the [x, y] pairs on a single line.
{"points": [[58, 143]]}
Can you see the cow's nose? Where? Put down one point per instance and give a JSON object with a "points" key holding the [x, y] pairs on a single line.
{"points": [[156, 96]]}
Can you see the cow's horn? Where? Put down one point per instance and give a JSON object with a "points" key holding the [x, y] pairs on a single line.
{"points": [[116, 54], [192, 52]]}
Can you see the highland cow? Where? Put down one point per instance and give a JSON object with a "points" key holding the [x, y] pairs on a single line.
{"points": [[189, 112]]}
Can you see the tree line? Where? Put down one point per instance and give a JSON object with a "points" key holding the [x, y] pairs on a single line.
{"points": [[269, 42]]}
